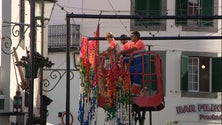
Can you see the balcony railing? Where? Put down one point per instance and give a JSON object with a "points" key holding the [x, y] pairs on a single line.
{"points": [[57, 36]]}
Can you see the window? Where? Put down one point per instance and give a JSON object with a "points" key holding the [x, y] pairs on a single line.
{"points": [[198, 74], [196, 8], [201, 74], [193, 10], [193, 74], [148, 8]]}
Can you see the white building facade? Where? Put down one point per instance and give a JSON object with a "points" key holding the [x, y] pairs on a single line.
{"points": [[185, 104], [192, 87], [15, 41]]}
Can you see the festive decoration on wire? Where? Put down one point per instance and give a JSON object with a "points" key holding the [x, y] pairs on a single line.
{"points": [[105, 83]]}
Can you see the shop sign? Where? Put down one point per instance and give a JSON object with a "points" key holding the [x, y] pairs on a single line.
{"points": [[206, 111]]}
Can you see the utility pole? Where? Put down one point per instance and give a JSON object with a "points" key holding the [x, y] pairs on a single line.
{"points": [[32, 51]]}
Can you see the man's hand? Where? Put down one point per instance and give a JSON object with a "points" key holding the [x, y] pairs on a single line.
{"points": [[104, 53]]}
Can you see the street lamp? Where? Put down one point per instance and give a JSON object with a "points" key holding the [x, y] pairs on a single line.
{"points": [[76, 60], [44, 8], [17, 102], [38, 9]]}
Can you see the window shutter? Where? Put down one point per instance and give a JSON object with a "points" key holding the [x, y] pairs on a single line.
{"points": [[154, 7], [141, 7], [147, 8], [207, 9], [181, 10], [217, 74], [140, 10], [154, 10], [184, 73]]}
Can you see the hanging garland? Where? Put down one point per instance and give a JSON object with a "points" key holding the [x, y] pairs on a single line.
{"points": [[105, 82], [88, 95], [110, 93]]}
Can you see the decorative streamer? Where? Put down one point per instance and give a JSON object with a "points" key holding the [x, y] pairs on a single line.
{"points": [[108, 82]]}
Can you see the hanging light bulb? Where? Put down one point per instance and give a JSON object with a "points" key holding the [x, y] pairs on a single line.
{"points": [[203, 66]]}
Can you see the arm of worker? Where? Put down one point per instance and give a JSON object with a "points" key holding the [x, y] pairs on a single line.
{"points": [[108, 50], [128, 51]]}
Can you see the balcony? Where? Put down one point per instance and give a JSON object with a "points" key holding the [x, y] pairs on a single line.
{"points": [[57, 37]]}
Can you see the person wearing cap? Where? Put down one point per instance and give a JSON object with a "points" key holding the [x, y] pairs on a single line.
{"points": [[113, 45], [126, 44], [137, 45]]}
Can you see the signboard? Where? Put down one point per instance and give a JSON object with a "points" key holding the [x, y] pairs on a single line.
{"points": [[205, 111]]}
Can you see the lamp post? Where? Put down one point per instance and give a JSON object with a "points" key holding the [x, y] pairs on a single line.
{"points": [[42, 9], [32, 49]]}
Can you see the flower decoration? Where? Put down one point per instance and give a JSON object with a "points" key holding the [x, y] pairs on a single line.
{"points": [[39, 62]]}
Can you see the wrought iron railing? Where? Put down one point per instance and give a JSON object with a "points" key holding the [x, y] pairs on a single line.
{"points": [[55, 77]]}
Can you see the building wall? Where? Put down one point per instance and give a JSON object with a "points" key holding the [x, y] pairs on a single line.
{"points": [[58, 94], [173, 49], [120, 26], [62, 8], [0, 28], [5, 60], [10, 79]]}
